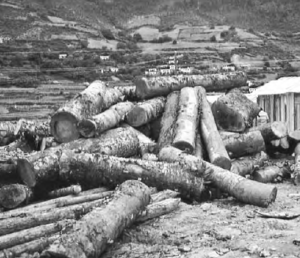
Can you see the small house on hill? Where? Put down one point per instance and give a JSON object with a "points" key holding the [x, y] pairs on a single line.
{"points": [[281, 100]]}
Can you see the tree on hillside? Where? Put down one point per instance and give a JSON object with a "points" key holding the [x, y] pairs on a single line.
{"points": [[107, 34], [137, 37]]}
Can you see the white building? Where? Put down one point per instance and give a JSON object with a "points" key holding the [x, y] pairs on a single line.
{"points": [[62, 56], [114, 69], [187, 70], [151, 71], [228, 68], [104, 57], [165, 71]]}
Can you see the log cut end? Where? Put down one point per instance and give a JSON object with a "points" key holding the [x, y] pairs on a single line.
{"points": [[222, 162], [64, 127], [137, 117], [279, 129], [87, 128]]}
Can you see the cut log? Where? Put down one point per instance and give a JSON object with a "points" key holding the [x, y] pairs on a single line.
{"points": [[21, 237], [187, 120], [70, 190], [242, 189], [104, 121], [238, 145], [163, 195], [90, 236], [146, 112], [146, 145], [95, 170], [89, 102], [270, 173], [296, 173], [272, 131], [168, 120], [234, 112], [162, 86], [7, 130], [150, 156], [33, 127], [247, 165], [46, 143], [214, 145], [38, 245], [294, 136], [158, 209], [13, 195]]}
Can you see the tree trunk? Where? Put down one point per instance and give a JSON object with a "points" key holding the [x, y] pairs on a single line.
{"points": [[104, 121], [162, 86], [271, 131], [247, 165], [214, 145], [158, 209], [188, 119], [13, 195], [234, 112], [70, 190], [150, 157], [242, 189], [270, 174], [7, 130], [35, 128], [168, 120], [146, 145], [21, 237], [95, 170], [89, 236], [89, 102], [43, 217], [238, 145], [146, 112], [296, 174], [163, 195]]}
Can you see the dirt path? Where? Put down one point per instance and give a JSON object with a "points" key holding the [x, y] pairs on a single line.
{"points": [[221, 228]]}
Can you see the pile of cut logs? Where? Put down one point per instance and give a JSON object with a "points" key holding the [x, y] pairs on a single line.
{"points": [[131, 152]]}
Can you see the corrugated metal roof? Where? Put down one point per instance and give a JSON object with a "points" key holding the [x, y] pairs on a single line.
{"points": [[280, 86]]}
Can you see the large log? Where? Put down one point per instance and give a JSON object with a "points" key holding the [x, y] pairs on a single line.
{"points": [[13, 195], [7, 130], [95, 170], [104, 121], [214, 145], [70, 190], [162, 86], [33, 127], [145, 112], [90, 236], [188, 119], [248, 164], [270, 174], [242, 189], [234, 112], [238, 145], [89, 102], [168, 120], [296, 173], [272, 131]]}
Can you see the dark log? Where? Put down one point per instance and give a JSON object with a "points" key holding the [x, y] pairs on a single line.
{"points": [[146, 112], [95, 170], [272, 131], [152, 129], [70, 190], [214, 145], [104, 121], [161, 86], [270, 174], [238, 145], [247, 165], [14, 195], [242, 189], [296, 173], [90, 236], [168, 120], [234, 112], [150, 156], [91, 101], [188, 119]]}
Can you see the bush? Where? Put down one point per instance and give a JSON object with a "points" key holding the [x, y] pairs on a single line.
{"points": [[251, 30], [107, 34], [174, 42], [224, 34], [121, 45], [137, 37], [162, 39], [232, 28], [213, 39]]}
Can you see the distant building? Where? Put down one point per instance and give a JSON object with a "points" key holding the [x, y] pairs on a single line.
{"points": [[228, 68], [172, 67], [151, 71], [104, 57], [62, 56], [245, 67], [187, 70], [114, 69]]}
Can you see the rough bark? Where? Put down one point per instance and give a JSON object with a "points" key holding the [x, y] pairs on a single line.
{"points": [[272, 131], [129, 92], [146, 145], [158, 209], [14, 195], [33, 127], [26, 172], [234, 112], [296, 173], [214, 145], [7, 129], [247, 165], [162, 86], [70, 190], [150, 157], [145, 112], [168, 120], [90, 235], [112, 96], [242, 189], [238, 145], [95, 170], [270, 174], [187, 120], [21, 237], [38, 218], [163, 195], [104, 121]]}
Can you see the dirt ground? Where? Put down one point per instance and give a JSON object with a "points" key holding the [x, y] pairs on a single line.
{"points": [[220, 228]]}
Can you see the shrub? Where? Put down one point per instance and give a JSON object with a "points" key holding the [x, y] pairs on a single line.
{"points": [[107, 34], [213, 39], [224, 34], [174, 42], [137, 37]]}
